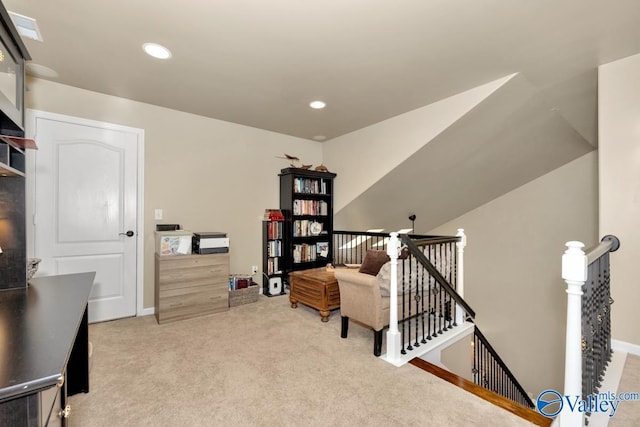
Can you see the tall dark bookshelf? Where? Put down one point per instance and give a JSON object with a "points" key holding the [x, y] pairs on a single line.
{"points": [[272, 259], [306, 200]]}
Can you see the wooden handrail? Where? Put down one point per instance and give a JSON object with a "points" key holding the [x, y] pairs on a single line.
{"points": [[608, 243], [383, 234], [488, 395]]}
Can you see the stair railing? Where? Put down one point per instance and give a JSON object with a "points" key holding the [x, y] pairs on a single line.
{"points": [[588, 334], [431, 267], [490, 372], [431, 299]]}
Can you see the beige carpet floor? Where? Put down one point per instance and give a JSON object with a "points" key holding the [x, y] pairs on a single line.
{"points": [[262, 364], [628, 413]]}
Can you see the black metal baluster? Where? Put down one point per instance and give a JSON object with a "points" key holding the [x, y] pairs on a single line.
{"points": [[408, 303], [415, 281], [608, 302], [453, 263], [424, 332], [588, 332], [598, 345], [404, 303], [474, 358], [429, 305], [433, 295]]}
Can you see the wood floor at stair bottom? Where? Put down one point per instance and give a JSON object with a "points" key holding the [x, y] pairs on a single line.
{"points": [[488, 395]]}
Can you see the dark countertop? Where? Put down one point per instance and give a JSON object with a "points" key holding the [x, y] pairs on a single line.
{"points": [[38, 325]]}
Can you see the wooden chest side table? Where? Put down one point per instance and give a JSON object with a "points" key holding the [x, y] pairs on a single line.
{"points": [[316, 288]]}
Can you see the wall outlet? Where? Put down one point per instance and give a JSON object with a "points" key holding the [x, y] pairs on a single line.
{"points": [[254, 269]]}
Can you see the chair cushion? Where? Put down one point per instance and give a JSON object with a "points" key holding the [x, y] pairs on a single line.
{"points": [[410, 281], [373, 261]]}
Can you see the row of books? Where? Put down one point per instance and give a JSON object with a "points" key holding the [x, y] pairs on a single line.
{"points": [[274, 248], [305, 227], [304, 253], [310, 186], [274, 230], [239, 282], [273, 266], [310, 207]]}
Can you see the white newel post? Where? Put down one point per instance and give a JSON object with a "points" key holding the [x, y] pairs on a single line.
{"points": [[460, 273], [393, 334], [574, 272]]}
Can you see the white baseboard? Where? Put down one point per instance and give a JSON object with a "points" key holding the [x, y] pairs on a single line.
{"points": [[146, 311], [626, 347]]}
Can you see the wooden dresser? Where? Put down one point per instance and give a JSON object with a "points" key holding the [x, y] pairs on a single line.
{"points": [[188, 286]]}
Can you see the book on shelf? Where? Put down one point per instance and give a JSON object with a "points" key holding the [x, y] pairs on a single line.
{"points": [[310, 207], [309, 186], [322, 249], [274, 230], [273, 266], [274, 248], [306, 227], [239, 282], [304, 253]]}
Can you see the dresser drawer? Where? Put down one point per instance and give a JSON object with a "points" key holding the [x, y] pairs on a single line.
{"points": [[192, 304], [215, 288], [187, 262]]}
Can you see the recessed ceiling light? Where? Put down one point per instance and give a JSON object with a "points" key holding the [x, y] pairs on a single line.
{"points": [[317, 105], [38, 70], [319, 137], [156, 50]]}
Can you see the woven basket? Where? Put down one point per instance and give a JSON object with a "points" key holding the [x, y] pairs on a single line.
{"points": [[243, 296]]}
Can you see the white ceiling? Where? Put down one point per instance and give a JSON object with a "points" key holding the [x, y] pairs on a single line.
{"points": [[260, 63]]}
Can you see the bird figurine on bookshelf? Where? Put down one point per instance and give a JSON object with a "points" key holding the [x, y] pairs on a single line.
{"points": [[305, 167], [292, 159], [322, 168]]}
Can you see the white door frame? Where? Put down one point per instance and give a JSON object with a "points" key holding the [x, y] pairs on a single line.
{"points": [[30, 125]]}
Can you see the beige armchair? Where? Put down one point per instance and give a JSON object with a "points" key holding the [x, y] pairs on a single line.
{"points": [[361, 300]]}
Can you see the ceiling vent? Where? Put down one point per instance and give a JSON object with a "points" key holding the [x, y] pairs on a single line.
{"points": [[27, 27]]}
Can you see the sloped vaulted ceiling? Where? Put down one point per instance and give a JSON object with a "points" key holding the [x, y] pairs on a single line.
{"points": [[512, 137], [259, 63]]}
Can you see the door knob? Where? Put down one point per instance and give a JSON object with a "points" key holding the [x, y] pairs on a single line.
{"points": [[128, 234]]}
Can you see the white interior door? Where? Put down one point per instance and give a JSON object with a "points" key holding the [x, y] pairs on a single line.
{"points": [[85, 203]]}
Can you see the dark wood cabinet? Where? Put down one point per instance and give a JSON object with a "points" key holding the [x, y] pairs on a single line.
{"points": [[306, 200], [13, 55]]}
